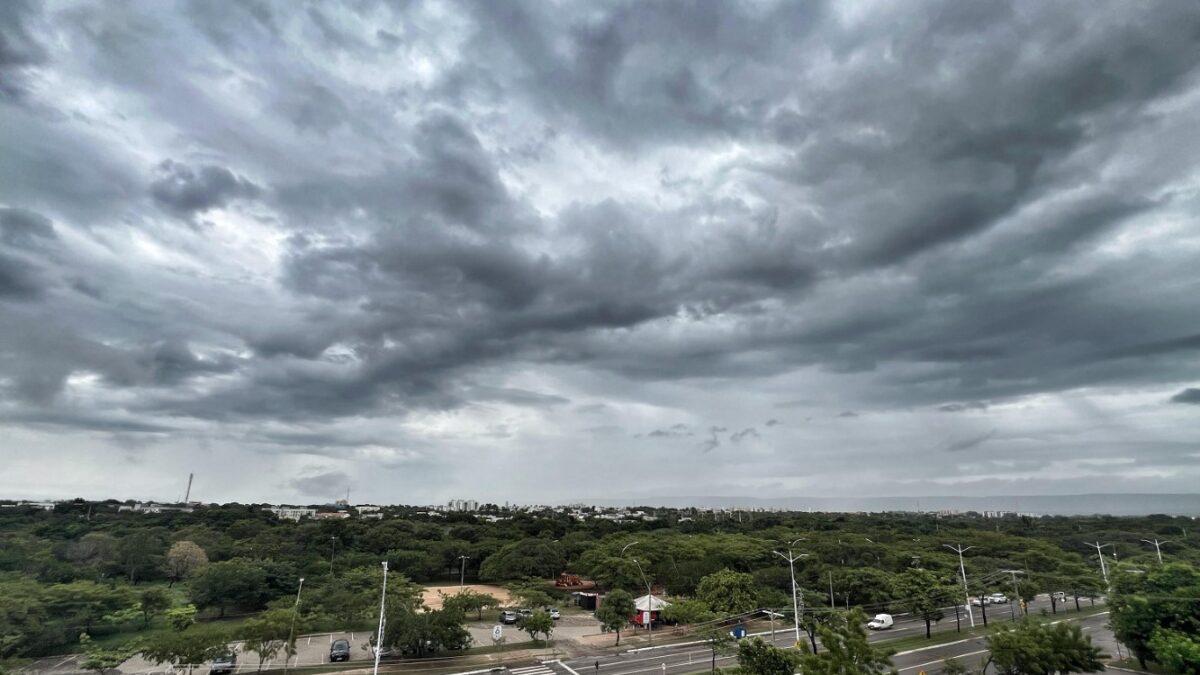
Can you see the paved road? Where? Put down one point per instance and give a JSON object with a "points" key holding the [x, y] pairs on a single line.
{"points": [[683, 659]]}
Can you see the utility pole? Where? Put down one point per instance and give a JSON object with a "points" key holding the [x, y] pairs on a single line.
{"points": [[1016, 594], [831, 605], [1099, 552], [462, 575], [963, 569], [1157, 547], [288, 648], [382, 607], [332, 549], [792, 558]]}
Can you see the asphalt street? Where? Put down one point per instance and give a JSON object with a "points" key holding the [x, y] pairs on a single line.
{"points": [[685, 658]]}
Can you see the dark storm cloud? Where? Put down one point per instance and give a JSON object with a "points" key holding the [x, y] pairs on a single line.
{"points": [[748, 432], [674, 431], [970, 442], [179, 188], [19, 280], [515, 205], [316, 483], [962, 407], [18, 48], [1189, 395], [714, 439], [24, 228]]}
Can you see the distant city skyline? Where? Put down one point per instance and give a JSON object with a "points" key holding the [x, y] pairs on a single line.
{"points": [[550, 251]]}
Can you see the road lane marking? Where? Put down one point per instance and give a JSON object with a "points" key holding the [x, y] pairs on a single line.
{"points": [[569, 669], [934, 663]]}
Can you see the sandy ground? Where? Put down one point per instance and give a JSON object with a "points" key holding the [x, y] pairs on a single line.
{"points": [[433, 600]]}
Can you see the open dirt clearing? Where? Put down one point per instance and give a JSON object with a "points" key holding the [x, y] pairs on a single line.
{"points": [[433, 600]]}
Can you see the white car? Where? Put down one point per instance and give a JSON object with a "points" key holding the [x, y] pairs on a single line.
{"points": [[880, 622], [979, 602], [998, 598]]}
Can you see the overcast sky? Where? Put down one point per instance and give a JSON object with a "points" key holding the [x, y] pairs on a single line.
{"points": [[550, 251]]}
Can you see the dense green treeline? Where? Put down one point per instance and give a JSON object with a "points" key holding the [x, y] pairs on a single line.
{"points": [[86, 568]]}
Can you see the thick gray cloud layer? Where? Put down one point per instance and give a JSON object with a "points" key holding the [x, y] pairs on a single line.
{"points": [[425, 250]]}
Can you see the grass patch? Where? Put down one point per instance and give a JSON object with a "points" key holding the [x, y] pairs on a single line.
{"points": [[159, 626]]}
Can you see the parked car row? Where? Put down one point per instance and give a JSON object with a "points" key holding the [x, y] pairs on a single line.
{"points": [[512, 616]]}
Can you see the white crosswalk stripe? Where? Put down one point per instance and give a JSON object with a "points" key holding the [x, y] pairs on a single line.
{"points": [[532, 670]]}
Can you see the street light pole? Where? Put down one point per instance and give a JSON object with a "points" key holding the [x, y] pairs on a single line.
{"points": [[1016, 594], [1157, 548], [1099, 552], [332, 549], [963, 569], [791, 557], [292, 631], [649, 596], [462, 574], [382, 606], [649, 604]]}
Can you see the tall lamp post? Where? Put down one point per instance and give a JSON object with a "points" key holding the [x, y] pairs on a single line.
{"points": [[962, 568], [332, 550], [792, 557], [462, 574], [382, 606], [649, 595], [649, 604], [1157, 547], [288, 648], [1100, 553]]}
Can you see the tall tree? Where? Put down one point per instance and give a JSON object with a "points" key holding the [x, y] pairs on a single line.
{"points": [[1177, 651], [152, 601], [183, 559], [468, 600], [231, 583], [846, 648], [538, 623], [138, 553], [688, 611], [185, 649], [615, 610], [1162, 599], [727, 592], [756, 657], [921, 593], [266, 634], [1031, 647]]}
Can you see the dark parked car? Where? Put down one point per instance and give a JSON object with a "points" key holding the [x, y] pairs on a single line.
{"points": [[225, 663], [339, 651]]}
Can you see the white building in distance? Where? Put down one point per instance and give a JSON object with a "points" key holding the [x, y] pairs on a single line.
{"points": [[292, 512]]}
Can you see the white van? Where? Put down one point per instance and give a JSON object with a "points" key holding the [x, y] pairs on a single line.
{"points": [[880, 622]]}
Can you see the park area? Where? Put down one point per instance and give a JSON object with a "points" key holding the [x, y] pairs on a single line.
{"points": [[432, 595]]}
